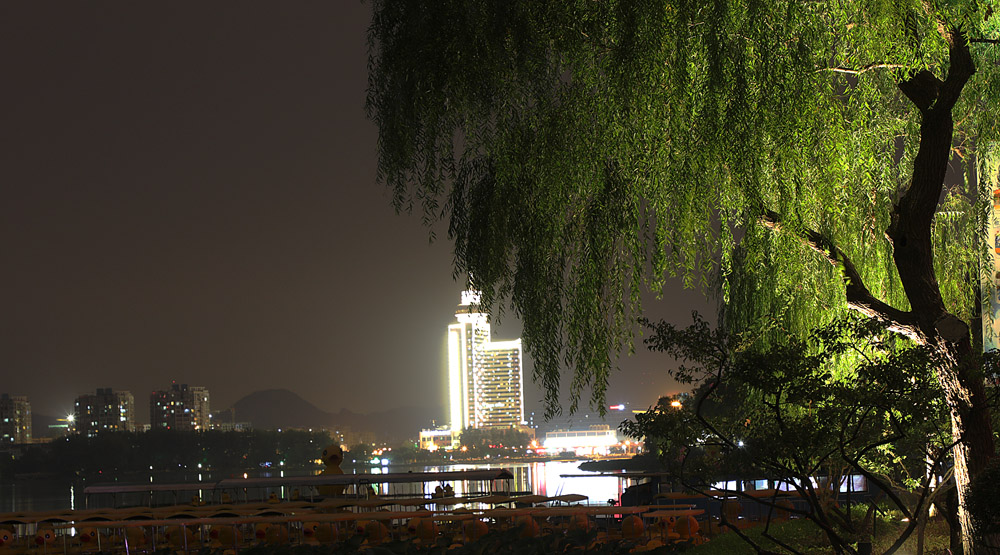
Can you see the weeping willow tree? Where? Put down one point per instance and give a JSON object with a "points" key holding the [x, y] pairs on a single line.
{"points": [[790, 155]]}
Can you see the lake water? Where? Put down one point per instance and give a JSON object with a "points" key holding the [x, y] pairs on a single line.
{"points": [[542, 478]]}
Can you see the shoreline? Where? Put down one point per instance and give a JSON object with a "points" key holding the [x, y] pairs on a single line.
{"points": [[586, 464]]}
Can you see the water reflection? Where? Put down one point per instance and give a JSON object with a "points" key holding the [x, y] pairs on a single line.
{"points": [[38, 495], [543, 478]]}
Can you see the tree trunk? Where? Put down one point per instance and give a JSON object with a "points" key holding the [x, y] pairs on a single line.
{"points": [[921, 529], [910, 232], [950, 513], [965, 393], [959, 373], [928, 321], [946, 506]]}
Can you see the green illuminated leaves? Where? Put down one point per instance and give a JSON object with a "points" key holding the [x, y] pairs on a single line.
{"points": [[582, 151]]}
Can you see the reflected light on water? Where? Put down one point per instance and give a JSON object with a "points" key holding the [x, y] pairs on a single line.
{"points": [[542, 478]]}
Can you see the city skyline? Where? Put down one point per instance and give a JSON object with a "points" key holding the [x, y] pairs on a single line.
{"points": [[194, 199]]}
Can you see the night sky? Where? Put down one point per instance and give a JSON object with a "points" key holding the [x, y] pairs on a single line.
{"points": [[189, 195]]}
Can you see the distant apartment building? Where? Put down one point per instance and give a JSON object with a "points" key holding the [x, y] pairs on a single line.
{"points": [[107, 410], [180, 408], [485, 376], [15, 420], [225, 421], [232, 426]]}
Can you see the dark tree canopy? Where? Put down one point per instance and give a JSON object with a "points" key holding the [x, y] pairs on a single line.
{"points": [[583, 151], [794, 413]]}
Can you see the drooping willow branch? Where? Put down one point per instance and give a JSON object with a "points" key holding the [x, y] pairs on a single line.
{"points": [[859, 298]]}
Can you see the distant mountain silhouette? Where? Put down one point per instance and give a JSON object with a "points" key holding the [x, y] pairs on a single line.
{"points": [[280, 408]]}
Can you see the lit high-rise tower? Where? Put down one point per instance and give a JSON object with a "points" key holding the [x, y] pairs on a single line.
{"points": [[484, 376]]}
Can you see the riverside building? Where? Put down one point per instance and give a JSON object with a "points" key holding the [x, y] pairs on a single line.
{"points": [[486, 383]]}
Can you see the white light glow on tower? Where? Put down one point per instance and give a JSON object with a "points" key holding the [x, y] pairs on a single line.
{"points": [[484, 376]]}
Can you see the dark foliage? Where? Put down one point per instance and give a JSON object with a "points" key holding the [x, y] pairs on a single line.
{"points": [[502, 542], [169, 450], [849, 399]]}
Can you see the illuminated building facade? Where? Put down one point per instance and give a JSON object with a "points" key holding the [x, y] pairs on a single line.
{"points": [[484, 376], [105, 411], [15, 420], [595, 440], [182, 408], [435, 438]]}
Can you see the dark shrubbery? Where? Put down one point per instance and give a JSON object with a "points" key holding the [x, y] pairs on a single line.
{"points": [[982, 501], [170, 450], [500, 542]]}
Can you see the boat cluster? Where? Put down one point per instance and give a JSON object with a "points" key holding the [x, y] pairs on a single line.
{"points": [[449, 521]]}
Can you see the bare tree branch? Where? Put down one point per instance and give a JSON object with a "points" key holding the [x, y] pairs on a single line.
{"points": [[858, 296], [859, 71], [926, 497], [962, 68]]}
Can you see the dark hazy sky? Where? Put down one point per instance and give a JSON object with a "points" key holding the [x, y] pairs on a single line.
{"points": [[188, 194]]}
